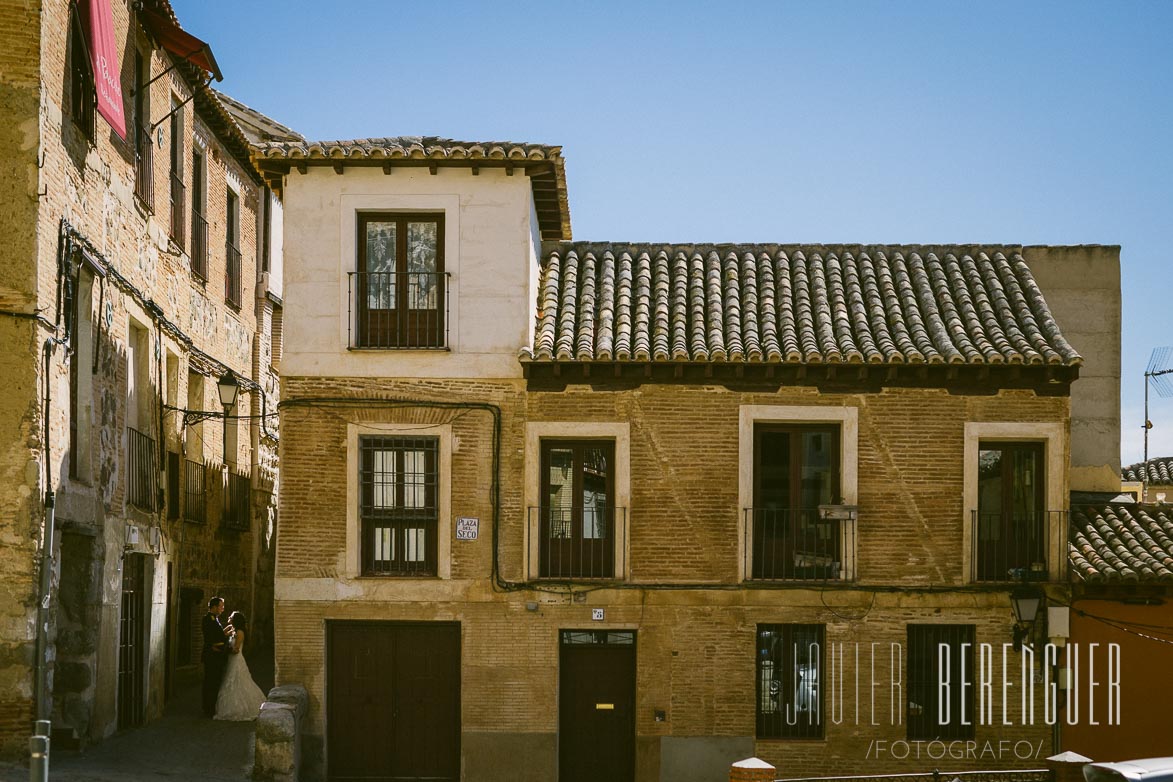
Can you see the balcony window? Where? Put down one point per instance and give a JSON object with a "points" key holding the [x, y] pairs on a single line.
{"points": [[576, 521], [796, 470], [144, 173], [1011, 523], [82, 96], [178, 191], [398, 295], [199, 223], [232, 272]]}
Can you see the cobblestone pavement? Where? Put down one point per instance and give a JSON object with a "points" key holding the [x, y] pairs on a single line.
{"points": [[180, 746]]}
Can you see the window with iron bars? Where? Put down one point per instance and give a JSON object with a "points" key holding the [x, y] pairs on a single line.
{"points": [[938, 653], [398, 478], [790, 681]]}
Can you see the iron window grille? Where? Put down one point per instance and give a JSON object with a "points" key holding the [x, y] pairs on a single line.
{"points": [[932, 648], [398, 478], [232, 276], [140, 469], [178, 199], [790, 665], [195, 488], [236, 501]]}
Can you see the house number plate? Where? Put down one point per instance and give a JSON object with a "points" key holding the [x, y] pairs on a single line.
{"points": [[467, 528]]}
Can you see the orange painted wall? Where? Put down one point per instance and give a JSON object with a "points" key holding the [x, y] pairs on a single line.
{"points": [[1146, 683]]}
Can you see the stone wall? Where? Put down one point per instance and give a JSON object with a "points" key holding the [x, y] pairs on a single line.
{"points": [[61, 175]]}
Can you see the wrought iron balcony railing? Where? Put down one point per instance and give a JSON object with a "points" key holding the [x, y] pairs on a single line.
{"points": [[195, 492], [1016, 546], [585, 541], [232, 275], [798, 545], [144, 167], [178, 204], [199, 246], [397, 310], [141, 489]]}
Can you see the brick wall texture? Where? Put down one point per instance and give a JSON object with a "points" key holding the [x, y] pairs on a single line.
{"points": [[695, 646], [57, 173]]}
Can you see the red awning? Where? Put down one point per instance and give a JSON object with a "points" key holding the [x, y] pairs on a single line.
{"points": [[184, 46]]}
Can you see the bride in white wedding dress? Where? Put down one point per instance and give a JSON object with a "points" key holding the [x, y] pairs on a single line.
{"points": [[240, 698]]}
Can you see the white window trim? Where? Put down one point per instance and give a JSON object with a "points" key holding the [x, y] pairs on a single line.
{"points": [[443, 493], [620, 432], [1054, 439], [751, 415], [350, 205]]}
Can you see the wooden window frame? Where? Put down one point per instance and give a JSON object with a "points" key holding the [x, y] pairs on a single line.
{"points": [[371, 518], [605, 566], [775, 725], [83, 96], [1007, 534], [431, 335], [778, 540]]}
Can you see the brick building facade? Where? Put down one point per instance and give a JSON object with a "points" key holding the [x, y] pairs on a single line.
{"points": [[608, 536], [135, 278]]}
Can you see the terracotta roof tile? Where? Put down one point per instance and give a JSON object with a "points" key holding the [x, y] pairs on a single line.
{"points": [[1160, 471], [1122, 543], [542, 162], [419, 147], [817, 304]]}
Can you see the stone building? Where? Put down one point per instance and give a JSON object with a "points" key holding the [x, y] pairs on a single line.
{"points": [[571, 510], [1153, 478], [139, 270]]}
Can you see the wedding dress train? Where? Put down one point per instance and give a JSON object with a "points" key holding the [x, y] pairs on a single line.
{"points": [[240, 698]]}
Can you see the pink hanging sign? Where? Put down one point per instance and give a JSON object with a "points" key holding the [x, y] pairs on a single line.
{"points": [[105, 54]]}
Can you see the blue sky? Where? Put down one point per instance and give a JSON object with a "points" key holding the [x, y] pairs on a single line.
{"points": [[910, 122]]}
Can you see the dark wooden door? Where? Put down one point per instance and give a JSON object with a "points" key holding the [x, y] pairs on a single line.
{"points": [[130, 641], [393, 701], [596, 709]]}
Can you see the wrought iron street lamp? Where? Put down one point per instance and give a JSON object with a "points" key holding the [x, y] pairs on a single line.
{"points": [[228, 388], [1025, 602]]}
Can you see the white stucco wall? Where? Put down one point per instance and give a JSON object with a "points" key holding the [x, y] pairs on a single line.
{"points": [[276, 246], [490, 252]]}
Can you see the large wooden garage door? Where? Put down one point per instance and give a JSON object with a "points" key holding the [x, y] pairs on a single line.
{"points": [[393, 701]]}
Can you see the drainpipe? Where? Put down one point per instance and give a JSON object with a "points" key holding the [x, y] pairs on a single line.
{"points": [[46, 580]]}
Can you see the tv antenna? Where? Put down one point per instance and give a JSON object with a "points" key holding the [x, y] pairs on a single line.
{"points": [[1157, 373]]}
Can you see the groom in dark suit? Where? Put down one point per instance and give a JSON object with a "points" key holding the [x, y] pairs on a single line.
{"points": [[214, 656]]}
